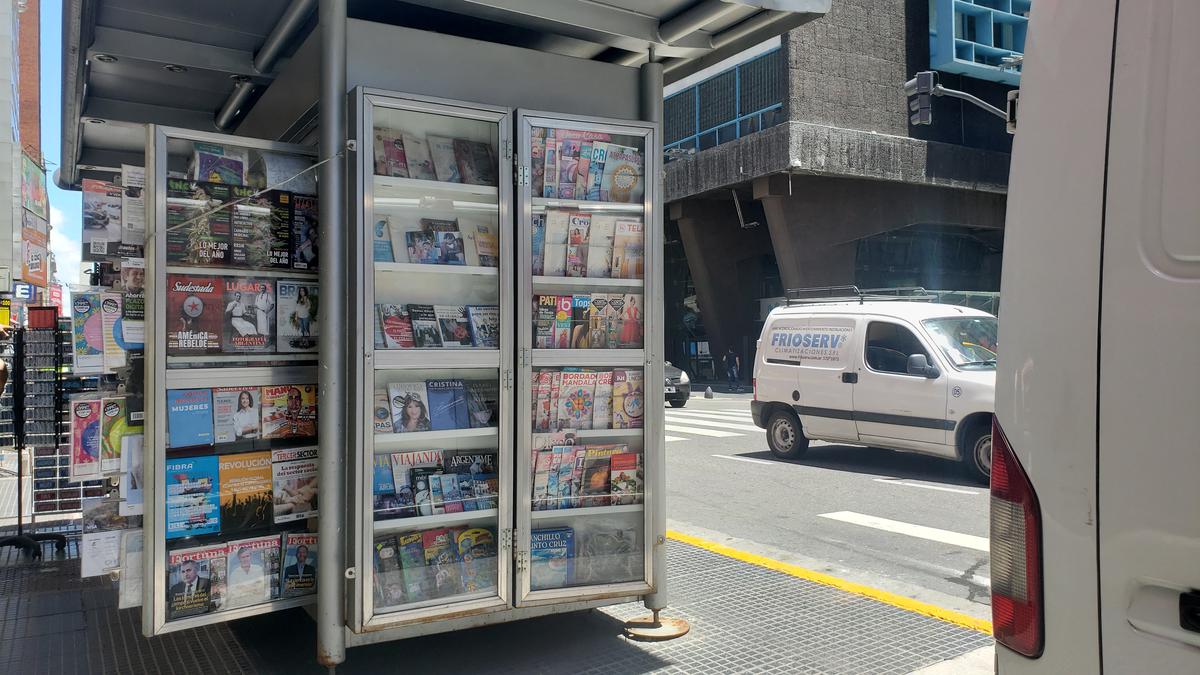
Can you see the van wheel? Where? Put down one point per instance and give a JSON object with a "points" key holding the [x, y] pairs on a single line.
{"points": [[784, 436], [977, 454]]}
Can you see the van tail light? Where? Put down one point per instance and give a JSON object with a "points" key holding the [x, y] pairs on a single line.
{"points": [[1017, 601], [754, 387]]}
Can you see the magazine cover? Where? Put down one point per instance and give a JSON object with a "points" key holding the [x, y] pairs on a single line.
{"points": [[87, 332], [552, 474], [482, 247], [299, 564], [190, 579], [386, 504], [597, 473], [566, 467], [252, 571], [627, 403], [454, 325], [447, 240], [452, 498], [427, 490], [422, 248], [562, 323], [441, 554], [579, 228], [395, 155], [382, 412], [396, 326], [389, 582], [631, 321], [192, 492], [289, 411], [608, 555], [418, 580], [86, 429], [260, 229], [245, 481], [550, 166], [381, 241], [602, 401], [581, 172], [427, 332], [612, 318], [198, 227], [625, 483], [416, 153], [576, 260], [410, 406], [537, 160], [294, 483], [447, 405], [622, 181], [541, 413], [627, 233], [379, 150], [111, 327], [538, 243], [249, 324], [483, 403], [296, 312], [552, 553], [596, 171], [596, 319], [576, 400], [236, 414], [470, 466], [113, 428], [219, 164], [194, 312], [189, 417], [485, 326], [555, 390], [304, 241], [402, 465], [544, 309], [581, 308], [441, 149], [101, 219], [477, 551], [568, 164], [476, 162]]}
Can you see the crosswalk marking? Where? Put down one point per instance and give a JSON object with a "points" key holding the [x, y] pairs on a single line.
{"points": [[892, 481], [919, 531], [701, 432], [709, 423], [743, 459], [711, 415], [673, 438]]}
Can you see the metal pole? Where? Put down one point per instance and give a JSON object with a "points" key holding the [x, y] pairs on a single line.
{"points": [[954, 93], [331, 376], [651, 110]]}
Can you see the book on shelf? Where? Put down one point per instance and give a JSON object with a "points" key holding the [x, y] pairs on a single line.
{"points": [[193, 315], [602, 401], [189, 417], [537, 239], [441, 149], [289, 411], [537, 161], [299, 575], [627, 403], [382, 412], [563, 323], [581, 305], [625, 481], [296, 315], [476, 162], [454, 325], [607, 554], [485, 326], [403, 464], [252, 571], [381, 241], [551, 553], [422, 248], [193, 489], [487, 490], [306, 219], [246, 491], [198, 222], [195, 580], [622, 180], [389, 147], [544, 311], [416, 154], [260, 228], [294, 483], [389, 574], [236, 414], [427, 490], [387, 503], [482, 246], [427, 332], [410, 406], [249, 315], [448, 239], [215, 163], [483, 403], [477, 553], [447, 404], [396, 327], [550, 166]]}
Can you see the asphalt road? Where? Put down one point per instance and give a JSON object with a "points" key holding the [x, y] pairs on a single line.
{"points": [[900, 522]]}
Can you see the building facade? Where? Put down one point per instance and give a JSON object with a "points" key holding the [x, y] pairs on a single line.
{"points": [[797, 166]]}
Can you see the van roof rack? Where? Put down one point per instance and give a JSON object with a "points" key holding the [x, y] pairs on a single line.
{"points": [[831, 294]]}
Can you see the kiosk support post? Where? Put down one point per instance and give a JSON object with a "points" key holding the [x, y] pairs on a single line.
{"points": [[332, 370]]}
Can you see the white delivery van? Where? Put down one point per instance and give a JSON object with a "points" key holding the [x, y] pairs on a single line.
{"points": [[887, 371], [1096, 481]]}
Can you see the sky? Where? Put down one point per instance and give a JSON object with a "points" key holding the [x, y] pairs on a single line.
{"points": [[66, 207]]}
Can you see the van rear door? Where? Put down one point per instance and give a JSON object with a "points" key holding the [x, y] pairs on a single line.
{"points": [[1149, 452]]}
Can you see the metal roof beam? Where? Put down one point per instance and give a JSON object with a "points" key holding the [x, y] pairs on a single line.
{"points": [[125, 44], [145, 113]]}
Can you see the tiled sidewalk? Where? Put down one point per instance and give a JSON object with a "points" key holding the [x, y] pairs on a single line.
{"points": [[744, 619]]}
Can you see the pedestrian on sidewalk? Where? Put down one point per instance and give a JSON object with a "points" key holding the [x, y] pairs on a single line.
{"points": [[3, 365], [733, 365]]}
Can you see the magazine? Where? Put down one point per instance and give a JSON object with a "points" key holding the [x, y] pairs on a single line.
{"points": [[427, 332], [236, 414], [260, 228], [562, 323], [441, 554], [581, 171], [394, 154], [219, 163], [477, 551], [581, 309], [597, 321], [387, 505], [192, 492], [622, 180], [252, 571], [452, 498], [602, 401], [85, 438], [101, 232], [389, 581], [249, 315], [447, 240], [447, 405], [568, 164], [198, 224], [87, 331], [194, 580], [454, 325], [402, 465], [552, 553], [445, 165], [410, 406], [483, 403], [576, 400], [416, 154], [289, 411], [625, 483], [627, 403], [545, 308], [476, 162], [538, 243], [427, 490], [396, 327], [422, 248], [382, 412], [194, 311], [597, 473], [541, 413], [482, 247], [305, 243], [613, 314], [189, 417], [246, 498], [296, 312], [299, 564], [596, 170], [418, 579], [379, 156], [470, 466], [550, 166], [485, 326], [631, 321], [381, 241], [294, 483]]}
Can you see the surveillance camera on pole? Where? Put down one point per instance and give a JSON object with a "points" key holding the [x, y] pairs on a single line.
{"points": [[919, 91]]}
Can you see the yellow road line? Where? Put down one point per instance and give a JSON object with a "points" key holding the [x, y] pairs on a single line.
{"points": [[907, 604]]}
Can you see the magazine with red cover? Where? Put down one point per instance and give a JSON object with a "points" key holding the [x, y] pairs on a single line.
{"points": [[396, 326], [193, 314]]}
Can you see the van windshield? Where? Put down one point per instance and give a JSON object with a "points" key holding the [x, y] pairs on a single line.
{"points": [[969, 342]]}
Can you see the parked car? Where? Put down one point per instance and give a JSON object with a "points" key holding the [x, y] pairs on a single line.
{"points": [[897, 374], [678, 387]]}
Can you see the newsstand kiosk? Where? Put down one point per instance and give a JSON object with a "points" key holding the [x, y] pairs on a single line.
{"points": [[479, 438]]}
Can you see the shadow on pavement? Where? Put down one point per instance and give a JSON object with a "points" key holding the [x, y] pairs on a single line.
{"points": [[884, 463]]}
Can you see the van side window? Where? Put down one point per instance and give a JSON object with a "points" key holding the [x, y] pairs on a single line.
{"points": [[889, 346]]}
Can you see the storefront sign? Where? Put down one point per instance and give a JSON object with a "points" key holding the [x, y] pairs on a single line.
{"points": [[34, 249]]}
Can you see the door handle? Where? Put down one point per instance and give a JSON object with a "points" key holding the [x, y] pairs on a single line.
{"points": [[850, 378]]}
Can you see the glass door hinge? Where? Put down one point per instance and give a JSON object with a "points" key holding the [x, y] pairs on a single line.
{"points": [[507, 379], [506, 538], [522, 175], [522, 561]]}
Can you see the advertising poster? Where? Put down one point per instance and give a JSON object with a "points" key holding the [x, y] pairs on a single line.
{"points": [[101, 219], [34, 249], [33, 188], [87, 333]]}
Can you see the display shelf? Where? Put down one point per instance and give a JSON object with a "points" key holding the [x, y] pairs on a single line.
{"points": [[431, 438], [242, 272], [450, 270], [239, 613], [250, 376], [589, 357], [388, 189], [437, 520], [543, 203], [557, 514], [607, 433], [174, 361], [453, 600], [389, 359], [570, 284]]}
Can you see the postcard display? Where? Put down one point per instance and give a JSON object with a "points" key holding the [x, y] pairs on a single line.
{"points": [[502, 452], [230, 451]]}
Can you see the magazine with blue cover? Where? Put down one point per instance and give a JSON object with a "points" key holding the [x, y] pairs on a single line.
{"points": [[189, 417], [447, 405], [193, 488], [552, 555], [387, 502]]}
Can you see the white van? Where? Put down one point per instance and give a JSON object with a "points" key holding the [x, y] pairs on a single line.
{"points": [[890, 372], [1096, 489]]}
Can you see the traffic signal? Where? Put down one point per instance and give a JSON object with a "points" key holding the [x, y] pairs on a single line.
{"points": [[919, 91]]}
